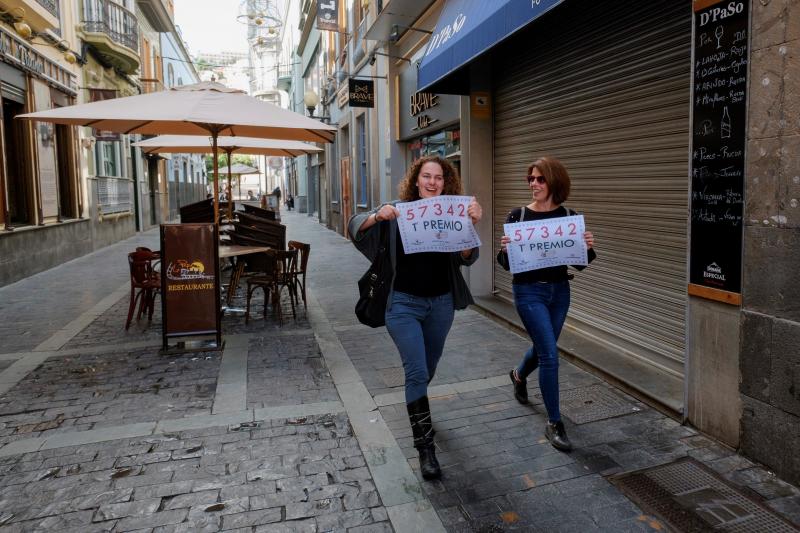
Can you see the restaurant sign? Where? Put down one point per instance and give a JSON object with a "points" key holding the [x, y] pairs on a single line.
{"points": [[420, 103], [190, 293], [19, 54], [361, 93], [423, 113]]}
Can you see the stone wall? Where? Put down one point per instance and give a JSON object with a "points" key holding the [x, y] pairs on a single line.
{"points": [[770, 322], [29, 250]]}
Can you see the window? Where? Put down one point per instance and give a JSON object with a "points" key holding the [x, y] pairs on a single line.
{"points": [[107, 154], [361, 155], [170, 75]]}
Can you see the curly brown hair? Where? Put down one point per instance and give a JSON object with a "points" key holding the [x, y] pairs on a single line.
{"points": [[408, 186]]}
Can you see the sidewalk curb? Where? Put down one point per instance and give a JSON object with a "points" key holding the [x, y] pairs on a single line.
{"points": [[400, 491]]}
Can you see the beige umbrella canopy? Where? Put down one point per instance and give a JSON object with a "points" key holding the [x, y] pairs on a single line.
{"points": [[239, 169], [193, 144], [206, 108], [236, 170]]}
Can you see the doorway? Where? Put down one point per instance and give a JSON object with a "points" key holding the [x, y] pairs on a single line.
{"points": [[17, 184]]}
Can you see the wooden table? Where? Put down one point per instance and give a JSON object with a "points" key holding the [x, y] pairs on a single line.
{"points": [[235, 250]]}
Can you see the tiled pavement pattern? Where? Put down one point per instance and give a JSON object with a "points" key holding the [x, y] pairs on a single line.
{"points": [[304, 474], [74, 393], [236, 470], [286, 371]]}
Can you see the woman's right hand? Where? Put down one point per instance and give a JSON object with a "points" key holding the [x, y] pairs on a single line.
{"points": [[504, 240], [387, 212]]}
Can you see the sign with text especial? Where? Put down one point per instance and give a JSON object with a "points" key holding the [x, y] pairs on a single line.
{"points": [[439, 224], [190, 292], [719, 138], [546, 243]]}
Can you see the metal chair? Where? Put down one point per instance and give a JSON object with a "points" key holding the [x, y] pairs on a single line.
{"points": [[145, 283], [280, 271], [304, 250]]}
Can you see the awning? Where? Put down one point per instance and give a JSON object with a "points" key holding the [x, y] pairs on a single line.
{"points": [[467, 28]]}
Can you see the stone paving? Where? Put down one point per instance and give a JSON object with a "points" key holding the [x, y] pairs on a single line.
{"points": [[82, 392], [305, 473], [302, 427], [287, 371]]}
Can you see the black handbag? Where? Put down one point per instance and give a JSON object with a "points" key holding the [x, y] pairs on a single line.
{"points": [[375, 285]]}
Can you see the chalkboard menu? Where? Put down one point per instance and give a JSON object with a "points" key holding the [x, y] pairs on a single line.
{"points": [[718, 144]]}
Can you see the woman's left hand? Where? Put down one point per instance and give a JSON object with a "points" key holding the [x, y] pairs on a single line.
{"points": [[474, 211], [589, 239]]}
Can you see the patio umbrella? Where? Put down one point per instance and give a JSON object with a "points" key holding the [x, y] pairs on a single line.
{"points": [[236, 170], [206, 108], [192, 144]]}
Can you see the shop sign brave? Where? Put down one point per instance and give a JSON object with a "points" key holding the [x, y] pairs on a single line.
{"points": [[421, 102], [361, 93]]}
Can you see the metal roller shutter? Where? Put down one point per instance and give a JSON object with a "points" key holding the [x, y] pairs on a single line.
{"points": [[605, 87]]}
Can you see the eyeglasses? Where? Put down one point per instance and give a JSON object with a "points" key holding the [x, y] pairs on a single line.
{"points": [[538, 179]]}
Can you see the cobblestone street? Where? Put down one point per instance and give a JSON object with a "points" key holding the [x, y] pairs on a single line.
{"points": [[303, 427]]}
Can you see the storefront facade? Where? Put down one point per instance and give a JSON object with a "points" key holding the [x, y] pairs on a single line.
{"points": [[40, 185], [612, 91], [428, 123]]}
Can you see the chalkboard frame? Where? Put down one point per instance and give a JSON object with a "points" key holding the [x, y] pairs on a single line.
{"points": [[721, 56]]}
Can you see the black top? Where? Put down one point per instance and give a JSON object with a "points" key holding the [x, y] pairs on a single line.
{"points": [[550, 274], [424, 274]]}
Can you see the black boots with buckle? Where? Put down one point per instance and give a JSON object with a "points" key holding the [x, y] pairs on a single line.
{"points": [[520, 388], [419, 413], [557, 435]]}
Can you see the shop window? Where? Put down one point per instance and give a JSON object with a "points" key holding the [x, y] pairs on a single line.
{"points": [[445, 143], [361, 148]]}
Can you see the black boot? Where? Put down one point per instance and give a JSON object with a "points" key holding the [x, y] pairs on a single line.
{"points": [[520, 388], [557, 436], [419, 413]]}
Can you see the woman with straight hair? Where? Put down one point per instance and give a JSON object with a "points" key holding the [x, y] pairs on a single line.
{"points": [[426, 289], [542, 296]]}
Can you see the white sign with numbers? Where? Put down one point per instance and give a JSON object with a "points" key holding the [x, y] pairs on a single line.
{"points": [[439, 224], [546, 243]]}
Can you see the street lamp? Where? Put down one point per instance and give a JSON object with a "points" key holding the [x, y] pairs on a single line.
{"points": [[311, 100]]}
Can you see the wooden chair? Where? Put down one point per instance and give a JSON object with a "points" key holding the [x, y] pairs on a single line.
{"points": [[202, 211], [304, 250], [261, 212], [280, 271], [145, 284]]}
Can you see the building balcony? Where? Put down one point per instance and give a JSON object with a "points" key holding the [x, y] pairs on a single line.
{"points": [[158, 13], [113, 31], [39, 14]]}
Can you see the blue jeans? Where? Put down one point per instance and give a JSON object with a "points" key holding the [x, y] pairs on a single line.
{"points": [[419, 326], [543, 308]]}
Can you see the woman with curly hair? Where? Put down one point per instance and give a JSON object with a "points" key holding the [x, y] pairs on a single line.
{"points": [[426, 289]]}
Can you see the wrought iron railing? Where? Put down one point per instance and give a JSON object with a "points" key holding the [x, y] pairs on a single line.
{"points": [[49, 5], [105, 16], [114, 194]]}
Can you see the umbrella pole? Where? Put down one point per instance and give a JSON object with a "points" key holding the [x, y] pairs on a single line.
{"points": [[216, 175], [230, 189]]}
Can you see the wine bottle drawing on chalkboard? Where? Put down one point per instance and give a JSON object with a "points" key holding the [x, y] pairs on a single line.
{"points": [[725, 124]]}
